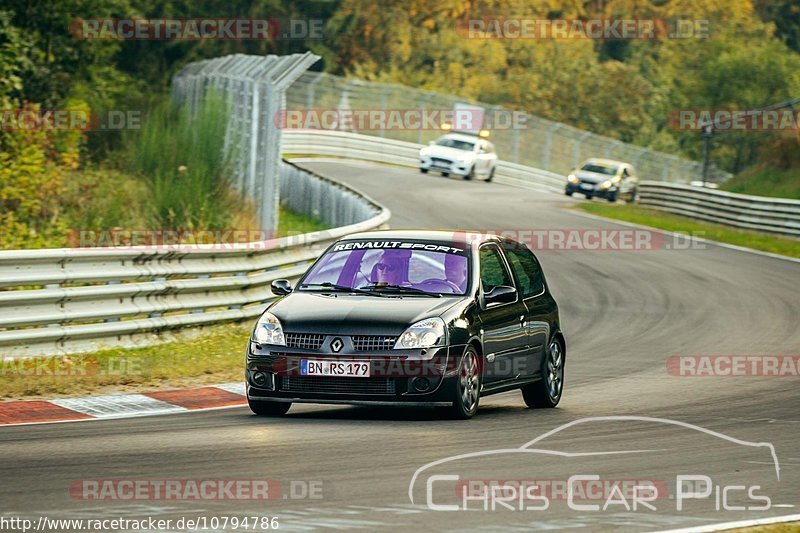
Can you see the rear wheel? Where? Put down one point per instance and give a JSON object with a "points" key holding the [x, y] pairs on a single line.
{"points": [[547, 391], [445, 174], [269, 408], [468, 386]]}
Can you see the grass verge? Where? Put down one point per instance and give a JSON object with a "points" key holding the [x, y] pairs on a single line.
{"points": [[293, 223], [765, 181], [197, 357], [715, 232]]}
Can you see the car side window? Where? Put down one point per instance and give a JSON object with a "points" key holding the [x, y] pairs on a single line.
{"points": [[527, 270], [493, 269]]}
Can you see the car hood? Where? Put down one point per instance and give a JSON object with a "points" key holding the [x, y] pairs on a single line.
{"points": [[447, 152], [338, 313], [593, 177]]}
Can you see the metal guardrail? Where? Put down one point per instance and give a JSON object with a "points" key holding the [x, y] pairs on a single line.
{"points": [[70, 300], [377, 149], [773, 215]]}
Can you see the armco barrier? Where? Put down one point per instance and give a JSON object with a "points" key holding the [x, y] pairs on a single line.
{"points": [[773, 215], [369, 148], [70, 300]]}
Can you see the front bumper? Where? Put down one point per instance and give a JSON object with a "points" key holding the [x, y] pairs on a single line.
{"points": [[589, 189], [455, 167], [402, 379]]}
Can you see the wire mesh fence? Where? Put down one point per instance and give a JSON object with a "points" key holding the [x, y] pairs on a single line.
{"points": [[533, 141], [254, 88]]}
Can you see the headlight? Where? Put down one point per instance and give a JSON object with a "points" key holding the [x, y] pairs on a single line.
{"points": [[572, 178], [606, 184], [269, 331], [423, 334]]}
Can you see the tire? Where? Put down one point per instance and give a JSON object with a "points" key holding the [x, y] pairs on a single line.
{"points": [[634, 194], [471, 174], [568, 193], [445, 174], [612, 197], [423, 170], [490, 177], [269, 408], [544, 393], [588, 196], [468, 386]]}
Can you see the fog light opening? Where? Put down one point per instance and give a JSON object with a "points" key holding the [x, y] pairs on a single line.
{"points": [[422, 384], [260, 379]]}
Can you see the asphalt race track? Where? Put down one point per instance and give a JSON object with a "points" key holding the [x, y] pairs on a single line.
{"points": [[624, 313]]}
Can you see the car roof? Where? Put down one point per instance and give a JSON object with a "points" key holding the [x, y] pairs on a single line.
{"points": [[462, 137], [457, 236], [609, 162]]}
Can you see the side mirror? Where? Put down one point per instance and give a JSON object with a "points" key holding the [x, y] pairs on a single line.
{"points": [[281, 287], [501, 294]]}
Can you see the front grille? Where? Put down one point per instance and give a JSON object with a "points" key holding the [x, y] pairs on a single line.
{"points": [[305, 341], [373, 343], [441, 162], [337, 385]]}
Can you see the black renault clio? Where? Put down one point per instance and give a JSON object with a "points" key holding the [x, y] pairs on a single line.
{"points": [[418, 318]]}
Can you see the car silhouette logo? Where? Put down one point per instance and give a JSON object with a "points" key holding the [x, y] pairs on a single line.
{"points": [[336, 344]]}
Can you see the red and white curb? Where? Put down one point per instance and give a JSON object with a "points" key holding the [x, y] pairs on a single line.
{"points": [[122, 405]]}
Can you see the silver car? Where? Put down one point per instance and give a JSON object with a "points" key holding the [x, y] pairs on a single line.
{"points": [[604, 178]]}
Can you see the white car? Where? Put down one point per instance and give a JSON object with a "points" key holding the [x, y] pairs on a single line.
{"points": [[461, 154]]}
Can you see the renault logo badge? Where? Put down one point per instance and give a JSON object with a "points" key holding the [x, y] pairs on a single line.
{"points": [[336, 344]]}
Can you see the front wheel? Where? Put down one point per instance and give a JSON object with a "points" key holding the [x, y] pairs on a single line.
{"points": [[445, 174], [468, 386], [547, 391], [471, 174], [612, 197], [634, 194], [423, 170], [269, 408], [490, 177]]}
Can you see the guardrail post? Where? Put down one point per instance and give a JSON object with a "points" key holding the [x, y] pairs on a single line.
{"points": [[576, 154], [548, 144]]}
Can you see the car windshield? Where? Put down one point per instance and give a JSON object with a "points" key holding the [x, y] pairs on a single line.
{"points": [[402, 267], [456, 143], [600, 169]]}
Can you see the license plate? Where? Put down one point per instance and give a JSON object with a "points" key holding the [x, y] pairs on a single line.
{"points": [[350, 369], [586, 186]]}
